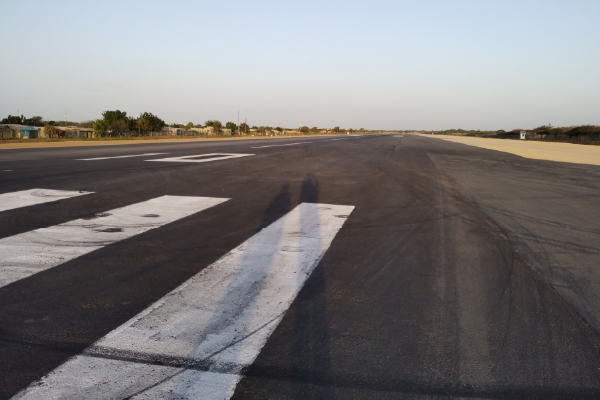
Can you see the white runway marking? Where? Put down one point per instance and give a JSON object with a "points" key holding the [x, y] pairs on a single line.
{"points": [[106, 158], [32, 252], [195, 341], [398, 136], [24, 198], [195, 159], [279, 145]]}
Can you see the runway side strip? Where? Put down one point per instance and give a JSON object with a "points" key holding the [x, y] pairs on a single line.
{"points": [[29, 253], [24, 198], [195, 342]]}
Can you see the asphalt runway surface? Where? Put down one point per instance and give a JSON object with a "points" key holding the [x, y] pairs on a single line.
{"points": [[375, 267]]}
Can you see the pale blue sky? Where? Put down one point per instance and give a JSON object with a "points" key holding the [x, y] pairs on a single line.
{"points": [[372, 64]]}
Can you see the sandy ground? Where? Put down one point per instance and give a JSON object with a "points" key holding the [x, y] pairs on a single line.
{"points": [[108, 142], [552, 151]]}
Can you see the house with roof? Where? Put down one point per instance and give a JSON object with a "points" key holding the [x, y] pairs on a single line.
{"points": [[16, 131], [209, 130]]}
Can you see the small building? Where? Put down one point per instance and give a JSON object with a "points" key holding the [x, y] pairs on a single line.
{"points": [[16, 131], [74, 132], [169, 131], [208, 130], [6, 132]]}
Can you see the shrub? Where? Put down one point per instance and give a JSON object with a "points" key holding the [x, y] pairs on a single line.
{"points": [[50, 131], [585, 130]]}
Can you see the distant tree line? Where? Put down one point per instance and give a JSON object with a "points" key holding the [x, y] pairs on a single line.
{"points": [[21, 120], [38, 121], [118, 123], [543, 132]]}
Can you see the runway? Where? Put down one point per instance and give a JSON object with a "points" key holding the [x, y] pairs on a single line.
{"points": [[376, 267]]}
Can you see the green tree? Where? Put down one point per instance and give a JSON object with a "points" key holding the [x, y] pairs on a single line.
{"points": [[144, 124], [14, 119], [35, 121], [336, 129], [131, 124], [149, 122], [584, 130], [189, 125], [110, 116], [279, 129], [244, 128], [99, 126], [50, 131], [118, 126], [217, 125], [314, 129], [116, 121], [304, 129], [232, 126]]}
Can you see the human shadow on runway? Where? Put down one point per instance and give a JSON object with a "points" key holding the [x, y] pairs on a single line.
{"points": [[240, 313], [312, 342]]}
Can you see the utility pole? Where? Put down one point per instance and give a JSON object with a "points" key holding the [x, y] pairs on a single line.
{"points": [[246, 121], [238, 124]]}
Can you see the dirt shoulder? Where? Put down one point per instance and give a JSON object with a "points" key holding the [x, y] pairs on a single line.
{"points": [[551, 151], [44, 143]]}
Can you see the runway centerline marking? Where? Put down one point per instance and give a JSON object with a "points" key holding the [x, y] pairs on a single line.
{"points": [[31, 252], [279, 145], [106, 158], [194, 159], [195, 342], [30, 197]]}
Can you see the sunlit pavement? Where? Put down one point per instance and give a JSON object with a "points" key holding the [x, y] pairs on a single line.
{"points": [[368, 267]]}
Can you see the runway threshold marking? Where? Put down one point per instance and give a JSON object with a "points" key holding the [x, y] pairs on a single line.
{"points": [[30, 197], [195, 342], [106, 158], [279, 145], [195, 159], [31, 252]]}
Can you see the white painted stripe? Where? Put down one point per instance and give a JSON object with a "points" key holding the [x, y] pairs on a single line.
{"points": [[195, 342], [195, 159], [279, 145], [24, 198], [106, 158], [32, 252]]}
